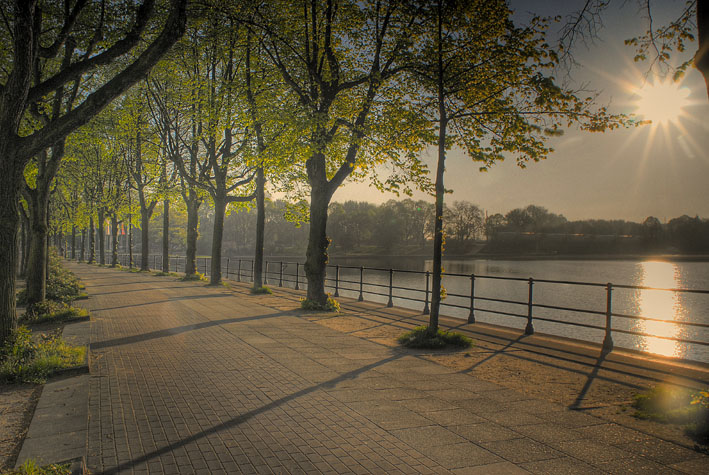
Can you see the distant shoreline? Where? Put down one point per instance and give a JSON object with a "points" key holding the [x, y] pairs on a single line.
{"points": [[538, 257]]}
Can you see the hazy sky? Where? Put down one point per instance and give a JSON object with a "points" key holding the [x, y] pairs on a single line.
{"points": [[622, 174]]}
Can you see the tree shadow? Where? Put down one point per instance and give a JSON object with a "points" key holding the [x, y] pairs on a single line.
{"points": [[177, 330], [249, 415]]}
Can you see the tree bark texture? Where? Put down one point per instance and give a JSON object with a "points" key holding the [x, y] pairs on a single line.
{"points": [[9, 223], [217, 235], [114, 240], [316, 255], [144, 238], [101, 237], [193, 204], [701, 59], [92, 241], [73, 242], [166, 236], [38, 201], [260, 227]]}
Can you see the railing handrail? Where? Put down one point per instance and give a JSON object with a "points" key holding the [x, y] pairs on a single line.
{"points": [[337, 284]]}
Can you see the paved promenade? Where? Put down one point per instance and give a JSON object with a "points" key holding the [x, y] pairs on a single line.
{"points": [[191, 379]]}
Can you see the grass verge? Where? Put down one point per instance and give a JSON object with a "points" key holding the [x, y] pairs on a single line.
{"points": [[261, 290], [679, 406], [331, 305], [27, 360], [51, 311], [194, 277], [421, 337], [30, 467]]}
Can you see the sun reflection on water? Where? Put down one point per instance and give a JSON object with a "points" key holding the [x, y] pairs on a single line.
{"points": [[660, 304]]}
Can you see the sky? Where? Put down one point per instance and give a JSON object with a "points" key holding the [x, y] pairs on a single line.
{"points": [[655, 170]]}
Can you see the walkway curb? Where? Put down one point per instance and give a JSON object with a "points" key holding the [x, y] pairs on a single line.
{"points": [[58, 430]]}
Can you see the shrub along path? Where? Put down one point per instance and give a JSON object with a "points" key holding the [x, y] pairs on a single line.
{"points": [[192, 379]]}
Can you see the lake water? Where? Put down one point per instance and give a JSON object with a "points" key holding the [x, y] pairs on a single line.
{"points": [[665, 305]]}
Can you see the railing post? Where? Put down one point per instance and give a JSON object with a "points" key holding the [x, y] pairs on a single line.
{"points": [[361, 282], [391, 285], [608, 339], [471, 315], [253, 264], [337, 281], [426, 309], [227, 267], [155, 260], [280, 275], [530, 327], [297, 276], [265, 275], [238, 272]]}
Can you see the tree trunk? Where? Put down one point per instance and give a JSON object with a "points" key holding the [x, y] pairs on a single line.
{"points": [[130, 241], [101, 237], [37, 264], [9, 224], [440, 189], [701, 59], [260, 227], [73, 242], [193, 205], [92, 241], [218, 233], [114, 240], [82, 250], [438, 233], [25, 246], [166, 236], [144, 244], [316, 254]]}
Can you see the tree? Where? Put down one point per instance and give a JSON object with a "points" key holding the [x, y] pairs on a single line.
{"points": [[657, 44], [503, 101], [339, 58], [464, 220], [29, 42]]}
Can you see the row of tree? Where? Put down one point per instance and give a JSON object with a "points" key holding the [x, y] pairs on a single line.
{"points": [[294, 96], [403, 227]]}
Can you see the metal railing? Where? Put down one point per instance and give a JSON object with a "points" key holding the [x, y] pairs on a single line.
{"points": [[291, 274]]}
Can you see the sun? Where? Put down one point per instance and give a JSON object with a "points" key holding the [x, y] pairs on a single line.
{"points": [[661, 102]]}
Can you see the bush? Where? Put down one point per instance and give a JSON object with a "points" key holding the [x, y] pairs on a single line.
{"points": [[261, 290], [672, 405], [23, 360], [62, 285], [331, 305], [421, 337], [51, 311]]}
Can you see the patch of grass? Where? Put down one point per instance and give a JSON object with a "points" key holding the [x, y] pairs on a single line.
{"points": [[194, 277], [30, 467], [679, 406], [261, 290], [51, 311], [421, 337], [331, 305], [24, 360]]}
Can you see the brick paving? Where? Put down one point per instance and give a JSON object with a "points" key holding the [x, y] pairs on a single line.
{"points": [[192, 379]]}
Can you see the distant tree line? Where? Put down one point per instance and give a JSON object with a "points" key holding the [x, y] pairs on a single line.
{"points": [[405, 227]]}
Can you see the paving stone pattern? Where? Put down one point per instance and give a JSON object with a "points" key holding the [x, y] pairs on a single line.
{"points": [[191, 379]]}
